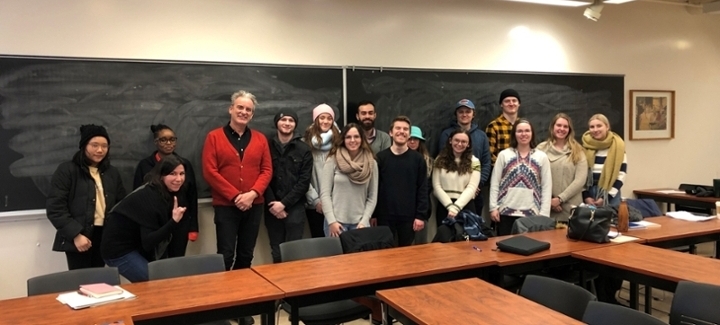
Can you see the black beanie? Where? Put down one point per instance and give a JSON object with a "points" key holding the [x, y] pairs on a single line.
{"points": [[90, 131], [509, 93], [285, 112]]}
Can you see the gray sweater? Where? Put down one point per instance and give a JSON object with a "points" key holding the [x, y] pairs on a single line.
{"points": [[382, 141], [344, 201]]}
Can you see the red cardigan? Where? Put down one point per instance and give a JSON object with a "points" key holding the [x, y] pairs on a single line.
{"points": [[229, 176]]}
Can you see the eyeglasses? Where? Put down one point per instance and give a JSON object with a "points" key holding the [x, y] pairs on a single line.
{"points": [[166, 140], [459, 141], [96, 146]]}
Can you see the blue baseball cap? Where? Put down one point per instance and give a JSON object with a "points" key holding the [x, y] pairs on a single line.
{"points": [[415, 132], [465, 103]]}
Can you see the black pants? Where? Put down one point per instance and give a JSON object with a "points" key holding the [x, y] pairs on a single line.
{"points": [[316, 221], [179, 240], [402, 230], [606, 287], [237, 233], [89, 258], [505, 225], [441, 213], [286, 229]]}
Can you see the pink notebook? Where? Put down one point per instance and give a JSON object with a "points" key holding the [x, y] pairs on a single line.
{"points": [[99, 290]]}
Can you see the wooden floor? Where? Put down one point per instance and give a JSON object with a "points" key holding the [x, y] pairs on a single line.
{"points": [[661, 299]]}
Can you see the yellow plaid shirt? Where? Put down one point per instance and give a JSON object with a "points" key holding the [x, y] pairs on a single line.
{"points": [[498, 133]]}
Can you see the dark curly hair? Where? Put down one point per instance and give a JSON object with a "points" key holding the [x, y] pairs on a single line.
{"points": [[446, 158]]}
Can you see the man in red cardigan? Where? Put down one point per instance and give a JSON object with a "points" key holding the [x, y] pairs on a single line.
{"points": [[238, 167]]}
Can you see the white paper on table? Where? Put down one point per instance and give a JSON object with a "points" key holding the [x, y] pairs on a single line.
{"points": [[671, 192], [687, 216], [78, 301]]}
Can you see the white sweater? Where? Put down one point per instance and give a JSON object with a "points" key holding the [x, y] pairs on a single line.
{"points": [[451, 185]]}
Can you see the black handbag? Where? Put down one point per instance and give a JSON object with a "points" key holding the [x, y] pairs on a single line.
{"points": [[590, 223], [522, 245]]}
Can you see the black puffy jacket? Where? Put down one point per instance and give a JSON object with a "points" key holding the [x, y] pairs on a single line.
{"points": [[292, 170], [71, 203]]}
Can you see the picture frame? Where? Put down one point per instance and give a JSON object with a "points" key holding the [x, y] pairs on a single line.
{"points": [[652, 114]]}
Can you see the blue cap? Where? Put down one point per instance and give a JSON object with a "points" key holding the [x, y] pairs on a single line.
{"points": [[415, 132], [465, 103]]}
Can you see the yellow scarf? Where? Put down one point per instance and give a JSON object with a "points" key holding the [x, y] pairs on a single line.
{"points": [[615, 157]]}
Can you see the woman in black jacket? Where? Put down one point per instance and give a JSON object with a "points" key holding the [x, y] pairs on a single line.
{"points": [[165, 141], [82, 191], [139, 228]]}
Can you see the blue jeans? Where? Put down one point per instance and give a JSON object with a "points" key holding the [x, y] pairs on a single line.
{"points": [[132, 266], [345, 227], [612, 201]]}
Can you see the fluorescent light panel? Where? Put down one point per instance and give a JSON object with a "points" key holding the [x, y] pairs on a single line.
{"points": [[569, 3]]}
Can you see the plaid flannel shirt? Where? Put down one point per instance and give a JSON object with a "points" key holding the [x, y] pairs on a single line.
{"points": [[498, 133]]}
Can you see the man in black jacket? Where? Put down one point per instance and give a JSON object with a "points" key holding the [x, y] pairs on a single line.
{"points": [[292, 169]]}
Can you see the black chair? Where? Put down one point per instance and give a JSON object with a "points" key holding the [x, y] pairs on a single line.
{"points": [[186, 266], [557, 295], [600, 313], [695, 303], [71, 280], [328, 313]]}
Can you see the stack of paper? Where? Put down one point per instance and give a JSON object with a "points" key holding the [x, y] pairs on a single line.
{"points": [[77, 300], [684, 215]]}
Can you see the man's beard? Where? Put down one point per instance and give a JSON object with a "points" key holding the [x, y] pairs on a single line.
{"points": [[367, 127]]}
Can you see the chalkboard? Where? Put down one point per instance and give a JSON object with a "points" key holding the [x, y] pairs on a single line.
{"points": [[428, 97], [44, 101]]}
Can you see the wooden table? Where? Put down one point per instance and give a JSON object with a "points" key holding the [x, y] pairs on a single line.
{"points": [[676, 198], [508, 263], [321, 280], [654, 267], [469, 301], [675, 233], [185, 300]]}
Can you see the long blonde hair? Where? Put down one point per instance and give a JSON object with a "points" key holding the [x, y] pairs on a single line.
{"points": [[576, 150]]}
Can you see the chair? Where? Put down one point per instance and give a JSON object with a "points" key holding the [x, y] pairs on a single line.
{"points": [[600, 313], [695, 303], [328, 313], [557, 295], [185, 266], [71, 280]]}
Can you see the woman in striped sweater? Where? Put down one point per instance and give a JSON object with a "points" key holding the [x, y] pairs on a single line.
{"points": [[605, 152], [521, 184]]}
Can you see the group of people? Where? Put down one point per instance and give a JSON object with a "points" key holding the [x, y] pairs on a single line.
{"points": [[336, 179]]}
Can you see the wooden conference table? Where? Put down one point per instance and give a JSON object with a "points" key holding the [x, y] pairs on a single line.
{"points": [[508, 263], [676, 233], [469, 301], [657, 268], [676, 198], [186, 300], [326, 279]]}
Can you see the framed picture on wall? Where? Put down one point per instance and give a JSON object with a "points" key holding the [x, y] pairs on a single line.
{"points": [[652, 114]]}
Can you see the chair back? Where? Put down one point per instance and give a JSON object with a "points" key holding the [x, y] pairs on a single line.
{"points": [[71, 280], [310, 248], [532, 224], [695, 303], [185, 266], [367, 239], [600, 313], [557, 295]]}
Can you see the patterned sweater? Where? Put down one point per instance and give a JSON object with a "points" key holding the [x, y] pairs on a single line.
{"points": [[521, 187]]}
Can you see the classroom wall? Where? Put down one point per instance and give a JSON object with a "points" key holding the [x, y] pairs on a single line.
{"points": [[655, 46]]}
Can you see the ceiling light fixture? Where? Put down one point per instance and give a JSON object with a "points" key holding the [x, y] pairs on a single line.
{"points": [[593, 12]]}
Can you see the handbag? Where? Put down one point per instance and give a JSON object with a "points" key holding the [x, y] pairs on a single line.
{"points": [[590, 223], [522, 245]]}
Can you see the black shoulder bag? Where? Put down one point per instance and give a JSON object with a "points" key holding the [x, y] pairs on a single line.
{"points": [[590, 223]]}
